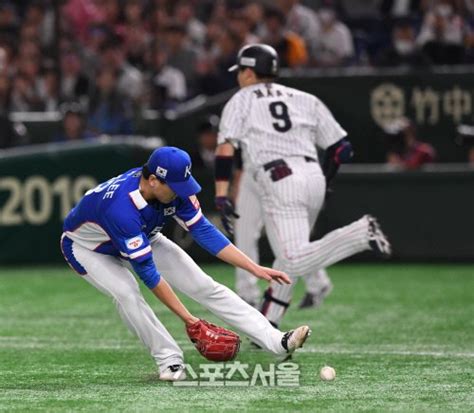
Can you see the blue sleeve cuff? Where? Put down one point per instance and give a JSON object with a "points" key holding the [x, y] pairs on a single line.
{"points": [[208, 236], [147, 271]]}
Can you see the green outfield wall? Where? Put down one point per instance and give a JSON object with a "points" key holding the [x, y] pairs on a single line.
{"points": [[428, 215]]}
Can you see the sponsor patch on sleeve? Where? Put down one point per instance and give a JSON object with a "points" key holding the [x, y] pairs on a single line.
{"points": [[135, 242]]}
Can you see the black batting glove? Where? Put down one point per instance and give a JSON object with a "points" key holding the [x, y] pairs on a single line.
{"points": [[227, 212]]}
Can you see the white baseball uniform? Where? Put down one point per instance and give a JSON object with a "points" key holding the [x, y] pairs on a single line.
{"points": [[248, 229], [113, 228], [278, 129]]}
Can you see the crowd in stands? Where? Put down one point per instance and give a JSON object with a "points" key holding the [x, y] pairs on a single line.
{"points": [[114, 57]]}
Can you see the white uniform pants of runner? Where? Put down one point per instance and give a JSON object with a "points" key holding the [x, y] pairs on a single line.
{"points": [[248, 229], [111, 276], [291, 206]]}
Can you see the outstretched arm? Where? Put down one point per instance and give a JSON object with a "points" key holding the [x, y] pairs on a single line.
{"points": [[232, 255], [167, 296], [147, 271]]}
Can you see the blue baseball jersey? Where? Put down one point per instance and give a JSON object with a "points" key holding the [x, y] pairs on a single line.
{"points": [[115, 219]]}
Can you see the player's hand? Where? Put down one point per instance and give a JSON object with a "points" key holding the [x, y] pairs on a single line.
{"points": [[227, 212], [270, 274]]}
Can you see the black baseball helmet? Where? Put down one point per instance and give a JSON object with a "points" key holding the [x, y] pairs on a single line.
{"points": [[261, 58]]}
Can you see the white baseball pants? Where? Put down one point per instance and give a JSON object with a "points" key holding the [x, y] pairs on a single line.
{"points": [[291, 206], [111, 276], [248, 230]]}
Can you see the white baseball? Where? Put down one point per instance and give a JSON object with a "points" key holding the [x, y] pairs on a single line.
{"points": [[327, 373]]}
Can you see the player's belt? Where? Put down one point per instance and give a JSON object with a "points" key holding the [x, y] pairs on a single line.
{"points": [[279, 169]]}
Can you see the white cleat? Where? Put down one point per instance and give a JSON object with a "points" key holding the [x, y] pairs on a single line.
{"points": [[377, 239], [175, 372], [295, 339]]}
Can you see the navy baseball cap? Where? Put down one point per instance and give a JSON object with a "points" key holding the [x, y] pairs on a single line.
{"points": [[173, 166]]}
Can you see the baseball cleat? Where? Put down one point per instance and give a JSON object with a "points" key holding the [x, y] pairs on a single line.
{"points": [[315, 300], [175, 372], [377, 239], [295, 339]]}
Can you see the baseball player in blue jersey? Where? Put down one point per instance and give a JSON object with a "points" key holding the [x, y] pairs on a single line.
{"points": [[116, 228]]}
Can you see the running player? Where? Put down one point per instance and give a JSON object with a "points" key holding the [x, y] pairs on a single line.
{"points": [[278, 129]]}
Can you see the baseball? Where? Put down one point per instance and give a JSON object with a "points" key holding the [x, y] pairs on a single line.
{"points": [[327, 373]]}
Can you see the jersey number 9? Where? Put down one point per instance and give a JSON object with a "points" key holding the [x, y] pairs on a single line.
{"points": [[279, 111]]}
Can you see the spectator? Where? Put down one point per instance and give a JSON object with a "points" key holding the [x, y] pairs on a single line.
{"points": [[74, 83], [204, 156], [404, 51], [290, 47], [43, 20], [181, 55], [216, 78], [110, 111], [167, 84], [5, 59], [130, 79], [96, 38], [404, 149], [254, 12], [5, 93], [25, 97], [79, 15], [48, 90], [240, 24], [334, 45], [136, 38], [442, 34], [8, 19], [397, 9], [301, 20], [73, 124], [195, 30]]}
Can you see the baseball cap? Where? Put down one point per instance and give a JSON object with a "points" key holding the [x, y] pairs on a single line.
{"points": [[173, 166]]}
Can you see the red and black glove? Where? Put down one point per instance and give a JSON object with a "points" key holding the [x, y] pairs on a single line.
{"points": [[213, 342]]}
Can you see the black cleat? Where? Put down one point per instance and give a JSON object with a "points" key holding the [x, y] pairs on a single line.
{"points": [[315, 300]]}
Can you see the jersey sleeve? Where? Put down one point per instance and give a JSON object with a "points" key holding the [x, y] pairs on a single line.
{"points": [[328, 130], [190, 216], [232, 124], [124, 228]]}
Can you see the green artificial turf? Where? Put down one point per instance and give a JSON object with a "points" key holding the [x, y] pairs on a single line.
{"points": [[401, 338]]}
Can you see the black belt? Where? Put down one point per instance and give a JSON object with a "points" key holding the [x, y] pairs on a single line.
{"points": [[278, 162], [279, 169]]}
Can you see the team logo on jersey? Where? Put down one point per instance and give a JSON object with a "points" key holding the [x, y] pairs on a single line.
{"points": [[134, 243], [187, 171], [169, 211], [161, 172]]}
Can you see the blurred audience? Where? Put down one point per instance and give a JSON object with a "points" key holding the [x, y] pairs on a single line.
{"points": [[404, 149], [290, 47], [110, 111], [204, 156], [334, 45], [404, 50], [73, 124], [166, 84], [442, 33], [160, 53]]}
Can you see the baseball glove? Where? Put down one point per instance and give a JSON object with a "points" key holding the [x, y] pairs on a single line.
{"points": [[213, 342]]}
